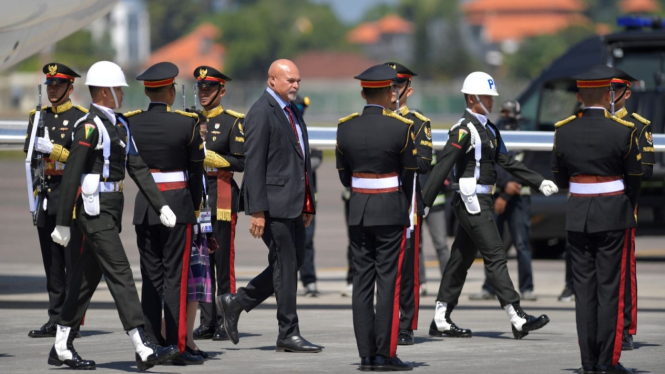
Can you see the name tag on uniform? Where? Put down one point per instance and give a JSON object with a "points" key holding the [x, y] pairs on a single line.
{"points": [[205, 219]]}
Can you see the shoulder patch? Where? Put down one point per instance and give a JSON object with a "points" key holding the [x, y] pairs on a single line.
{"points": [[234, 113], [132, 113], [389, 113], [354, 115], [82, 109], [641, 119], [35, 110], [625, 123], [420, 116], [186, 114], [565, 121]]}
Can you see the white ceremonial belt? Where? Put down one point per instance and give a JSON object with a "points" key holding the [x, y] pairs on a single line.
{"points": [[170, 176], [597, 188], [484, 188], [110, 186], [211, 170], [375, 183]]}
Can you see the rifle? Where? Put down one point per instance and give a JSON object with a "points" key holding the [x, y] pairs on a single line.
{"points": [[184, 98], [196, 94], [40, 162]]}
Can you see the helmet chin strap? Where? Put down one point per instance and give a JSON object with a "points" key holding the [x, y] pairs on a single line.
{"points": [[64, 93], [115, 98], [487, 112], [616, 101]]}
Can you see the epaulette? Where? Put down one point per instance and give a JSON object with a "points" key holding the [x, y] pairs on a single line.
{"points": [[234, 114], [354, 115], [187, 114], [35, 110], [133, 113], [641, 119], [82, 109], [625, 123], [392, 114], [565, 121], [420, 116]]}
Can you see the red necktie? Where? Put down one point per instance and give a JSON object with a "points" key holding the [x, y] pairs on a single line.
{"points": [[308, 206]]}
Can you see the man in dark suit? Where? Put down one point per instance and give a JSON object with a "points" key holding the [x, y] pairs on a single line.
{"points": [[278, 195]]}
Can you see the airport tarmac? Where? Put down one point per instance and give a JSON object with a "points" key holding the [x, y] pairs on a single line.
{"points": [[326, 320]]}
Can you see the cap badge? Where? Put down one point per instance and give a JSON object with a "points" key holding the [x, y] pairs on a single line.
{"points": [[52, 69], [203, 73]]}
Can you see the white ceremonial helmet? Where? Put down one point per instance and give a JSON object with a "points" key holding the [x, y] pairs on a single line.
{"points": [[106, 74], [479, 83]]}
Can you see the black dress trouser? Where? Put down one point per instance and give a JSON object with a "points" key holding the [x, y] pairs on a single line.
{"points": [[103, 254], [409, 298], [476, 232], [599, 276], [285, 238], [164, 269], [630, 301], [58, 265], [378, 256], [222, 269]]}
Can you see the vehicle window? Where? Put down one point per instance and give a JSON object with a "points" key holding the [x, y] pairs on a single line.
{"points": [[556, 104], [642, 66]]}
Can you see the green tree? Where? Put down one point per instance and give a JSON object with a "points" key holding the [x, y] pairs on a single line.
{"points": [[257, 34], [171, 19], [538, 52]]}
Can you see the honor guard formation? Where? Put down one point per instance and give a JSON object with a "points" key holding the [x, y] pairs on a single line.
{"points": [[187, 207]]}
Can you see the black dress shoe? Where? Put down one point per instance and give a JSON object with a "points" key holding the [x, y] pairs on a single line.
{"points": [[627, 342], [391, 364], [366, 363], [405, 337], [185, 359], [453, 332], [297, 344], [197, 352], [587, 370], [231, 309], [220, 335], [46, 331], [203, 332], [76, 362], [616, 369]]}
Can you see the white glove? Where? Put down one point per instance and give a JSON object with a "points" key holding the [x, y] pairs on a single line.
{"points": [[61, 235], [548, 188], [44, 144], [167, 216]]}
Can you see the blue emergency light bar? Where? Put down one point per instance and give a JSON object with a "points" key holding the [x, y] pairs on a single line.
{"points": [[638, 22]]}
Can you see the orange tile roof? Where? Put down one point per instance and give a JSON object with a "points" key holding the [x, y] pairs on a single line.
{"points": [[326, 65], [190, 51], [498, 28], [639, 6], [488, 6], [370, 32]]}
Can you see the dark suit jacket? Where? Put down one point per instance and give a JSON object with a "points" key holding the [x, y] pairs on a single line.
{"points": [[274, 178]]}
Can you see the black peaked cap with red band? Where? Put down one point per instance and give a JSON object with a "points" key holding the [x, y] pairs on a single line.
{"points": [[596, 77], [207, 76], [57, 73], [621, 79], [377, 76], [403, 73], [159, 75]]}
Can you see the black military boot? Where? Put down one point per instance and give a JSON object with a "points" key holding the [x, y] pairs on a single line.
{"points": [[63, 351], [405, 337], [149, 354], [445, 325], [521, 322], [614, 369], [627, 342], [203, 332], [220, 334], [229, 306]]}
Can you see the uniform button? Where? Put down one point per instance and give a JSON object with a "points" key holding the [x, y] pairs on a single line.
{"points": [[48, 177], [302, 178], [49, 190]]}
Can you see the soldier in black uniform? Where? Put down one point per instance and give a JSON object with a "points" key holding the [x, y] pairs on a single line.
{"points": [[373, 151], [59, 121], [224, 156], [172, 148], [621, 84], [102, 148], [474, 147], [421, 133], [596, 158]]}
